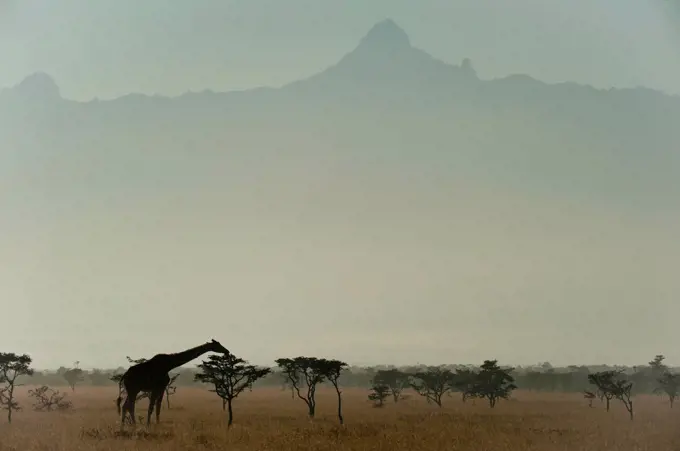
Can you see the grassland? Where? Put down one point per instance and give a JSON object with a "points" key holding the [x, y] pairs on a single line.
{"points": [[268, 419]]}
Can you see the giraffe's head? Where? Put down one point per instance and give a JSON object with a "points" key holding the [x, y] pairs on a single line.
{"points": [[216, 346]]}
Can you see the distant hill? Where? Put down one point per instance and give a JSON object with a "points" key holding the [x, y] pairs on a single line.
{"points": [[386, 109]]}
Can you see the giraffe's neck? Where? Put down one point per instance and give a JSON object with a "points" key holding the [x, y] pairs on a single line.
{"points": [[180, 358]]}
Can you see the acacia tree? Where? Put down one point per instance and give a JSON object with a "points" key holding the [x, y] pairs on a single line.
{"points": [[492, 382], [604, 380], [655, 371], [379, 392], [229, 375], [657, 366], [669, 384], [73, 376], [433, 383], [301, 371], [12, 366], [613, 385], [394, 379], [331, 370], [622, 390]]}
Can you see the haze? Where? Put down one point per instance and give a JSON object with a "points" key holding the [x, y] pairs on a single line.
{"points": [[385, 207]]}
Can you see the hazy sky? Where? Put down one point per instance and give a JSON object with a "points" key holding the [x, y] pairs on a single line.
{"points": [[318, 258], [112, 47]]}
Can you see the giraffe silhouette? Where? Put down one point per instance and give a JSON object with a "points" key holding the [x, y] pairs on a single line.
{"points": [[152, 376]]}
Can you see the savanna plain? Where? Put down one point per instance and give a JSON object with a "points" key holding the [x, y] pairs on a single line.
{"points": [[268, 419]]}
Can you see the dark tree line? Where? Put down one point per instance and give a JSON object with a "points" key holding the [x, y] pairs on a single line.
{"points": [[564, 380], [490, 382], [543, 378]]}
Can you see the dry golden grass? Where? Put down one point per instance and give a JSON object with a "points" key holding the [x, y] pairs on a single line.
{"points": [[268, 419]]}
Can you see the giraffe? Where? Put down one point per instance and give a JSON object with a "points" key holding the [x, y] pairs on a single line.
{"points": [[152, 376]]}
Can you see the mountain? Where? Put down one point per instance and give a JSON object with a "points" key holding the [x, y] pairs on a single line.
{"points": [[385, 108], [384, 61]]}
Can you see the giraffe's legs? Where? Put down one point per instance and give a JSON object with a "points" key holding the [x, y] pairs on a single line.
{"points": [[152, 402], [124, 411], [159, 403], [130, 402], [133, 419], [128, 406], [155, 400]]}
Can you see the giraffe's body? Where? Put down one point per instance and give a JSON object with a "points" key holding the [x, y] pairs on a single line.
{"points": [[152, 376]]}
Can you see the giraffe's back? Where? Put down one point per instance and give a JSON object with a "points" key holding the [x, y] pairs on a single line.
{"points": [[146, 376]]}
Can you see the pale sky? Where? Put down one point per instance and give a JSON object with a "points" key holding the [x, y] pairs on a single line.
{"points": [[320, 258]]}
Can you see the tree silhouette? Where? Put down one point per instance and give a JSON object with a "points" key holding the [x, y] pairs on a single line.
{"points": [[379, 392], [303, 370], [433, 383], [229, 375], [12, 366], [73, 376], [331, 370], [658, 370], [613, 384], [669, 384], [492, 382], [394, 379], [622, 390], [604, 381], [657, 365]]}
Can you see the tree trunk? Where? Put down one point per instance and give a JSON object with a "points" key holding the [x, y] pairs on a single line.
{"points": [[224, 404], [10, 399], [231, 414], [167, 400], [312, 408], [607, 404], [342, 420], [671, 400]]}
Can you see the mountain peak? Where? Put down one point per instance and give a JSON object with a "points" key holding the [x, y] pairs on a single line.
{"points": [[386, 35], [38, 85]]}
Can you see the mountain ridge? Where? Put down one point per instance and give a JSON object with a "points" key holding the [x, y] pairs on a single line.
{"points": [[385, 39]]}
